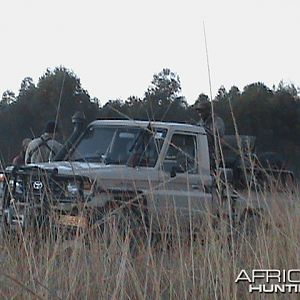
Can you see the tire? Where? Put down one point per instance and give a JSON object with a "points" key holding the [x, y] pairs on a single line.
{"points": [[120, 223], [250, 223], [244, 175]]}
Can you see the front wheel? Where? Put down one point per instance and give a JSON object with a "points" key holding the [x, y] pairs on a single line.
{"points": [[250, 223], [118, 224]]}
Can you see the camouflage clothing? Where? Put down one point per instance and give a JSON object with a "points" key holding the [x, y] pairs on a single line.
{"points": [[219, 125], [220, 131], [42, 149]]}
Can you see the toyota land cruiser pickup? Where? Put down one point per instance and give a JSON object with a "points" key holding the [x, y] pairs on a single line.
{"points": [[146, 168]]}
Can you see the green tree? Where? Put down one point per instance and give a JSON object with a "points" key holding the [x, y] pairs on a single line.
{"points": [[57, 95], [202, 97], [8, 97], [164, 89], [113, 109], [222, 94]]}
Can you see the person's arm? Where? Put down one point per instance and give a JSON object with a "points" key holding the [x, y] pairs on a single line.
{"points": [[54, 148], [15, 161], [28, 150]]}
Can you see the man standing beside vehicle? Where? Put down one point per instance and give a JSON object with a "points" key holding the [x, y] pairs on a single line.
{"points": [[45, 147], [209, 120], [214, 127]]}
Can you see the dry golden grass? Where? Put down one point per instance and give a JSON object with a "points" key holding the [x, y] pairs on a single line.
{"points": [[177, 267]]}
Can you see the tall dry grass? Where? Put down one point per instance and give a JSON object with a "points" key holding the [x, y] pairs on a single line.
{"points": [[113, 266]]}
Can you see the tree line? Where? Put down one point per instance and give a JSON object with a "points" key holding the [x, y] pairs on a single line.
{"points": [[270, 114]]}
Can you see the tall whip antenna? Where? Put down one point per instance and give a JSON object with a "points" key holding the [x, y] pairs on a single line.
{"points": [[211, 99], [207, 62], [210, 89]]}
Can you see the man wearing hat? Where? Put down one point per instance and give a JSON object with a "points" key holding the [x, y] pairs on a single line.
{"points": [[45, 147], [214, 127], [209, 121]]}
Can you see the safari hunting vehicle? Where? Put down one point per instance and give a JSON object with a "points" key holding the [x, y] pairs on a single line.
{"points": [[137, 170]]}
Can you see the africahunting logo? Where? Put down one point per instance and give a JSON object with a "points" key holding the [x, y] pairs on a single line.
{"points": [[271, 281]]}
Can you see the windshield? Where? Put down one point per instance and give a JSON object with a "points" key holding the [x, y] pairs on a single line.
{"points": [[120, 145], [107, 144], [147, 147]]}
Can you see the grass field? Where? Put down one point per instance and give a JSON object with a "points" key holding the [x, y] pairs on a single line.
{"points": [[110, 266]]}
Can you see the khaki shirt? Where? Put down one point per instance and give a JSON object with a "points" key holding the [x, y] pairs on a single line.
{"points": [[42, 149]]}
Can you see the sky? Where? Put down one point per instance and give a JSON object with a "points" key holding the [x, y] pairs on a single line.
{"points": [[115, 47]]}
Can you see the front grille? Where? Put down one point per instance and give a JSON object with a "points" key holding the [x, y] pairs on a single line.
{"points": [[33, 185], [27, 188]]}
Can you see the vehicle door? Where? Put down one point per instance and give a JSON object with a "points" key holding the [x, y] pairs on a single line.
{"points": [[183, 186]]}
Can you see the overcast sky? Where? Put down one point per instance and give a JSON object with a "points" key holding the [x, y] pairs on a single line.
{"points": [[115, 47]]}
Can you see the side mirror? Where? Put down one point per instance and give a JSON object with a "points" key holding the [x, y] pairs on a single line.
{"points": [[173, 172]]}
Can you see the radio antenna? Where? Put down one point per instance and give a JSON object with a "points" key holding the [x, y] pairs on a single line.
{"points": [[207, 62], [210, 89]]}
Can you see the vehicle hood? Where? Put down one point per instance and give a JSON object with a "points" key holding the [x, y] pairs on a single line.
{"points": [[77, 168], [103, 174]]}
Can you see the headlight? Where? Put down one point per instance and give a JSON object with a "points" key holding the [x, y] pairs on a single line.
{"points": [[72, 189], [11, 183], [19, 187]]}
